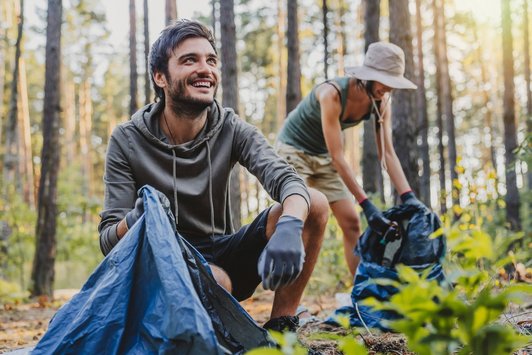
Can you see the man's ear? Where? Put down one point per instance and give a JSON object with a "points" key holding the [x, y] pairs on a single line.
{"points": [[159, 79]]}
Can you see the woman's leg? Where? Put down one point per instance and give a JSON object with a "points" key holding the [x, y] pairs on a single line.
{"points": [[349, 221]]}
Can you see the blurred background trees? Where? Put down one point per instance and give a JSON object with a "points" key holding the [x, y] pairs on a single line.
{"points": [[463, 137]]}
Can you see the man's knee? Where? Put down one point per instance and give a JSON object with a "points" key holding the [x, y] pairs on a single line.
{"points": [[319, 209], [221, 277]]}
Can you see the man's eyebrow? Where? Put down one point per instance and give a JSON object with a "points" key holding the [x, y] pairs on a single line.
{"points": [[186, 55], [194, 54]]}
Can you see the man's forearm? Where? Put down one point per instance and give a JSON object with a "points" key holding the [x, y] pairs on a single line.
{"points": [[295, 205], [121, 229]]}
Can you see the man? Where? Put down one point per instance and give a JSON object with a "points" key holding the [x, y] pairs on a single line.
{"points": [[185, 146]]}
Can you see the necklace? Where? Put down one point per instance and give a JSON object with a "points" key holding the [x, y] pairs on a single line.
{"points": [[169, 130]]}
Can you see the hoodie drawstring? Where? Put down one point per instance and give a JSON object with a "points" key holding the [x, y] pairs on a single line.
{"points": [[174, 187], [211, 202]]}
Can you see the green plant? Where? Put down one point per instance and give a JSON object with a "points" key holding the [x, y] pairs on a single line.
{"points": [[17, 238], [462, 318], [11, 292], [287, 345]]}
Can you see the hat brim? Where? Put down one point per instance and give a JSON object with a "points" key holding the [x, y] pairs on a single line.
{"points": [[367, 73]]}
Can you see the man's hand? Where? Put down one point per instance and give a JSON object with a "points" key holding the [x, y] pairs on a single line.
{"points": [[133, 216], [282, 259], [409, 198], [376, 220], [164, 201]]}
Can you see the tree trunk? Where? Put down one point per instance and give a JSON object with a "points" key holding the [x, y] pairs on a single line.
{"points": [[341, 41], [4, 45], [448, 106], [487, 107], [133, 105], [510, 120], [371, 169], [85, 133], [526, 49], [293, 77], [439, 105], [281, 64], [403, 104], [244, 186], [423, 117], [26, 156], [45, 250], [70, 121], [170, 11], [325, 11], [11, 172], [147, 80], [213, 17], [257, 196], [230, 91]]}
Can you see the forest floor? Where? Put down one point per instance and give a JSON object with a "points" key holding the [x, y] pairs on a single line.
{"points": [[23, 324]]}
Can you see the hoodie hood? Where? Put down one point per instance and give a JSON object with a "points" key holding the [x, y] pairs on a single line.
{"points": [[147, 121]]}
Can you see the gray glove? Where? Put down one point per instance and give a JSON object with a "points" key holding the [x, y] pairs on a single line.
{"points": [[282, 259], [133, 216]]}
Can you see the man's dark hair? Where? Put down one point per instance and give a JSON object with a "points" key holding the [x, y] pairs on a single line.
{"points": [[171, 37]]}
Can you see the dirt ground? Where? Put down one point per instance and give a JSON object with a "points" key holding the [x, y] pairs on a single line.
{"points": [[22, 325]]}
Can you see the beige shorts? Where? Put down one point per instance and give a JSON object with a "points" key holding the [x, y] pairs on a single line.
{"points": [[317, 171]]}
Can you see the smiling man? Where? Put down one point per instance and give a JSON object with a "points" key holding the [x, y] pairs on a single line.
{"points": [[185, 145]]}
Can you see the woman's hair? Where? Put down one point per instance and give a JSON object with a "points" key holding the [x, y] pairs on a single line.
{"points": [[170, 38], [366, 85]]}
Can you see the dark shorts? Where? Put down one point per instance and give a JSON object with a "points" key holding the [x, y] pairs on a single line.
{"points": [[238, 254]]}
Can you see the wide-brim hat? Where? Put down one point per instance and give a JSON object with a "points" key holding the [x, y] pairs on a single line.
{"points": [[384, 62]]}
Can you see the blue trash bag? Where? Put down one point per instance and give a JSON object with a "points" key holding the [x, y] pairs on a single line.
{"points": [[153, 293], [378, 258]]}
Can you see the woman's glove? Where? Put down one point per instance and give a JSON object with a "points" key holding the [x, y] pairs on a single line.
{"points": [[375, 218], [409, 198], [282, 259]]}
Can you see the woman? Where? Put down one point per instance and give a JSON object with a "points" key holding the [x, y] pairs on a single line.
{"points": [[311, 138]]}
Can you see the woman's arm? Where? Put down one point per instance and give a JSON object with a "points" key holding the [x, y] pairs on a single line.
{"points": [[393, 165], [331, 108]]}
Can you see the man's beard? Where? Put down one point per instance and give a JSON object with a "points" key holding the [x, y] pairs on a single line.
{"points": [[183, 104]]}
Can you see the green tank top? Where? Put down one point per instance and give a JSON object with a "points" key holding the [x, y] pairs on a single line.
{"points": [[302, 128]]}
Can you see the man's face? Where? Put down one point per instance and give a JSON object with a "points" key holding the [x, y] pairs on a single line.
{"points": [[193, 75], [379, 90]]}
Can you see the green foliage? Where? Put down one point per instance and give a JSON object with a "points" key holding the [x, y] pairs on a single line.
{"points": [[287, 342], [77, 236], [11, 292], [77, 229], [462, 319], [17, 241]]}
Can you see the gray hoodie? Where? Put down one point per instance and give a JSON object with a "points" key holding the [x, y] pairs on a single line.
{"points": [[194, 176]]}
